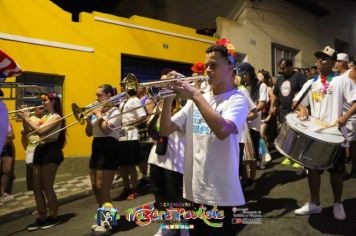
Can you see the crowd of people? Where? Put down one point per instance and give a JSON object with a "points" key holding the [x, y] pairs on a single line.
{"points": [[223, 122]]}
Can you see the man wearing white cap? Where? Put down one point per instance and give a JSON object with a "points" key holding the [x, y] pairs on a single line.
{"points": [[341, 67], [326, 98]]}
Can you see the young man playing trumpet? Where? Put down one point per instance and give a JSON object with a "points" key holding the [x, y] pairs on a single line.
{"points": [[212, 123]]}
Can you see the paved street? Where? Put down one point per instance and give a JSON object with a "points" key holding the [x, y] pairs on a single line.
{"points": [[278, 192]]}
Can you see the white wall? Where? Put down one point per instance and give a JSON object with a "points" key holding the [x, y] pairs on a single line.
{"points": [[259, 23], [340, 24]]}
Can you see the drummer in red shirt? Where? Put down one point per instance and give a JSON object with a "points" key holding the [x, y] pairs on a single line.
{"points": [[326, 97]]}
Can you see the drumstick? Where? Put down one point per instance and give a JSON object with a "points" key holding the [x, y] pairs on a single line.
{"points": [[322, 128]]}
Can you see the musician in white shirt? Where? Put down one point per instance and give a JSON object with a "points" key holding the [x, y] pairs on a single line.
{"points": [[326, 97]]}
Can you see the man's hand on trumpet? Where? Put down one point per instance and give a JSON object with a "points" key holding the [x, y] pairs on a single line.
{"points": [[184, 89]]}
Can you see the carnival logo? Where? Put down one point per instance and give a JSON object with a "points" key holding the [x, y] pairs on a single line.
{"points": [[146, 214]]}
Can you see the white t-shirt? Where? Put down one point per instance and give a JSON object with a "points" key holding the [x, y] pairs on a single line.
{"points": [[4, 123], [114, 121], [351, 122], [251, 105], [211, 166], [133, 102], [174, 158], [328, 107]]}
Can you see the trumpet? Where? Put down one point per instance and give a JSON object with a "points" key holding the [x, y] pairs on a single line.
{"points": [[159, 89], [25, 109]]}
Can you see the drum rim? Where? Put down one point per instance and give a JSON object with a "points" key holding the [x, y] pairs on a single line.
{"points": [[320, 140]]}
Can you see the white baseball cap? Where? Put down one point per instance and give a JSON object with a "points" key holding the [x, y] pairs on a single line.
{"points": [[342, 57]]}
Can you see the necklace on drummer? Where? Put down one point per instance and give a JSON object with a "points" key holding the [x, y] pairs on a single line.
{"points": [[325, 80]]}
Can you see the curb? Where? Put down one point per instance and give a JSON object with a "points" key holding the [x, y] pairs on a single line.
{"points": [[27, 210]]}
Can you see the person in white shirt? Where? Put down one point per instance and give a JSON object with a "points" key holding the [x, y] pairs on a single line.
{"points": [[212, 123], [166, 168], [129, 142], [341, 67], [247, 154], [326, 98], [259, 94], [105, 157]]}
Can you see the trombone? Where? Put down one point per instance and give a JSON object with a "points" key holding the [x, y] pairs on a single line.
{"points": [[81, 113], [12, 86]]}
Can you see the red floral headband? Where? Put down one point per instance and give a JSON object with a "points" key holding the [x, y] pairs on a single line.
{"points": [[232, 54], [49, 96]]}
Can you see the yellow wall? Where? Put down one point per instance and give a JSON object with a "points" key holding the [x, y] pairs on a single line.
{"points": [[84, 71]]}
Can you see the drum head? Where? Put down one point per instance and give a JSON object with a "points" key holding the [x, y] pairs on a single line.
{"points": [[309, 127]]}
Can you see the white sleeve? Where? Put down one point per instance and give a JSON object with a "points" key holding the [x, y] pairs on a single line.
{"points": [[180, 118], [305, 101], [349, 89], [250, 103], [236, 111], [263, 93], [114, 119], [141, 111]]}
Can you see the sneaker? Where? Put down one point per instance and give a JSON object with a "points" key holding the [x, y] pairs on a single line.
{"points": [[50, 222], [308, 208], [297, 165], [6, 197], [38, 224], [339, 212], [93, 227], [101, 229], [261, 165], [268, 157], [286, 161], [132, 196]]}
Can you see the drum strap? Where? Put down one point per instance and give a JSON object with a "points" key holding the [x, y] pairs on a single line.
{"points": [[302, 97]]}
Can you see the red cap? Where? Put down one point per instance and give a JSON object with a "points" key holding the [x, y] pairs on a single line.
{"points": [[198, 67]]}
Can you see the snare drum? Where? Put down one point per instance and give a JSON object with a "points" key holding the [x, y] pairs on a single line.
{"points": [[304, 143]]}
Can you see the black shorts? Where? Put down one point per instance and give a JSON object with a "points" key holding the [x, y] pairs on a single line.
{"points": [[129, 153], [166, 183], [8, 150], [144, 152], [339, 162], [48, 153], [105, 154]]}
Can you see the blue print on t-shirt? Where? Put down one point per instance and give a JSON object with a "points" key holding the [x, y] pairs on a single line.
{"points": [[199, 125]]}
